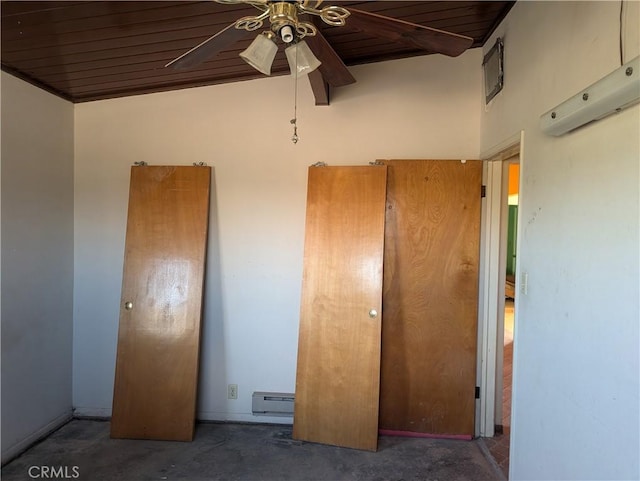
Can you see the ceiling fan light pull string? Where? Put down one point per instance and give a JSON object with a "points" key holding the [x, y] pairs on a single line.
{"points": [[294, 120]]}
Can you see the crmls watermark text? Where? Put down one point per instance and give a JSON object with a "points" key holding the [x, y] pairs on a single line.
{"points": [[54, 472]]}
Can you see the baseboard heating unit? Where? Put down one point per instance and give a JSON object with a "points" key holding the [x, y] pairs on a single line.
{"points": [[272, 404]]}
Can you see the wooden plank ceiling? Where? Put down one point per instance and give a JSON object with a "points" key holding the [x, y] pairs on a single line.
{"points": [[92, 50]]}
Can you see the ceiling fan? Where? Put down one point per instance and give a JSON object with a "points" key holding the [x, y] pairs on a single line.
{"points": [[292, 22]]}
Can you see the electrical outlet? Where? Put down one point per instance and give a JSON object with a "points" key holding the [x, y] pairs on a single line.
{"points": [[524, 283], [232, 391]]}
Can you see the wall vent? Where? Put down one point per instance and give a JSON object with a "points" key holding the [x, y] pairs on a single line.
{"points": [[272, 404]]}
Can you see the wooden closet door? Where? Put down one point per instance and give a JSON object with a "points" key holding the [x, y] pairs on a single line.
{"points": [[159, 334], [338, 375], [430, 297]]}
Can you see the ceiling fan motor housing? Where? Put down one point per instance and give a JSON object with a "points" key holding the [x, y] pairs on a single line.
{"points": [[283, 17], [283, 14]]}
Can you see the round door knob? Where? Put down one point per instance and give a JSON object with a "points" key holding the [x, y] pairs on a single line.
{"points": [[373, 313], [128, 305]]}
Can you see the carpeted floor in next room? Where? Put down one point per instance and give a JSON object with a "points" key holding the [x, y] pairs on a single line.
{"points": [[246, 452]]}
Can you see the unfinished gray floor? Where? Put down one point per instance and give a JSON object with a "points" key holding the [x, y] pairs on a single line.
{"points": [[246, 453]]}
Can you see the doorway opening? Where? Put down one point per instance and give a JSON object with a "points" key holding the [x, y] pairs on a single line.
{"points": [[499, 299], [512, 171], [506, 311]]}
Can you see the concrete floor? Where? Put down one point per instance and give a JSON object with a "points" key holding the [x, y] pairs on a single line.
{"points": [[246, 452]]}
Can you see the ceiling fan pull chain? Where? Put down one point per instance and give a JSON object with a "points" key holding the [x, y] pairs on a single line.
{"points": [[294, 120]]}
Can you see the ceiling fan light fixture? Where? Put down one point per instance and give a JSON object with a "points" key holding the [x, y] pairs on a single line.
{"points": [[260, 53], [301, 59]]}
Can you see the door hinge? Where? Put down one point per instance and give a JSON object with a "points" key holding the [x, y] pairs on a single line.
{"points": [[477, 392], [483, 191]]}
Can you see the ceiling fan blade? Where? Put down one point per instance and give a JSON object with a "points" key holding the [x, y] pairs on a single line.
{"points": [[333, 69], [210, 47], [319, 87], [419, 36], [259, 3]]}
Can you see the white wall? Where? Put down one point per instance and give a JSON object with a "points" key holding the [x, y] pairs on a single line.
{"points": [[576, 377], [37, 262], [424, 107]]}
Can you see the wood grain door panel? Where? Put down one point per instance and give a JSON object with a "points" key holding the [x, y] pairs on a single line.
{"points": [[338, 374], [430, 296], [159, 336]]}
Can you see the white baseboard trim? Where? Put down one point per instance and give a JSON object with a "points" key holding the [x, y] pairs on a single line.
{"points": [[21, 446]]}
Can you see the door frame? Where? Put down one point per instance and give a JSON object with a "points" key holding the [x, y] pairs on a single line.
{"points": [[491, 286]]}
